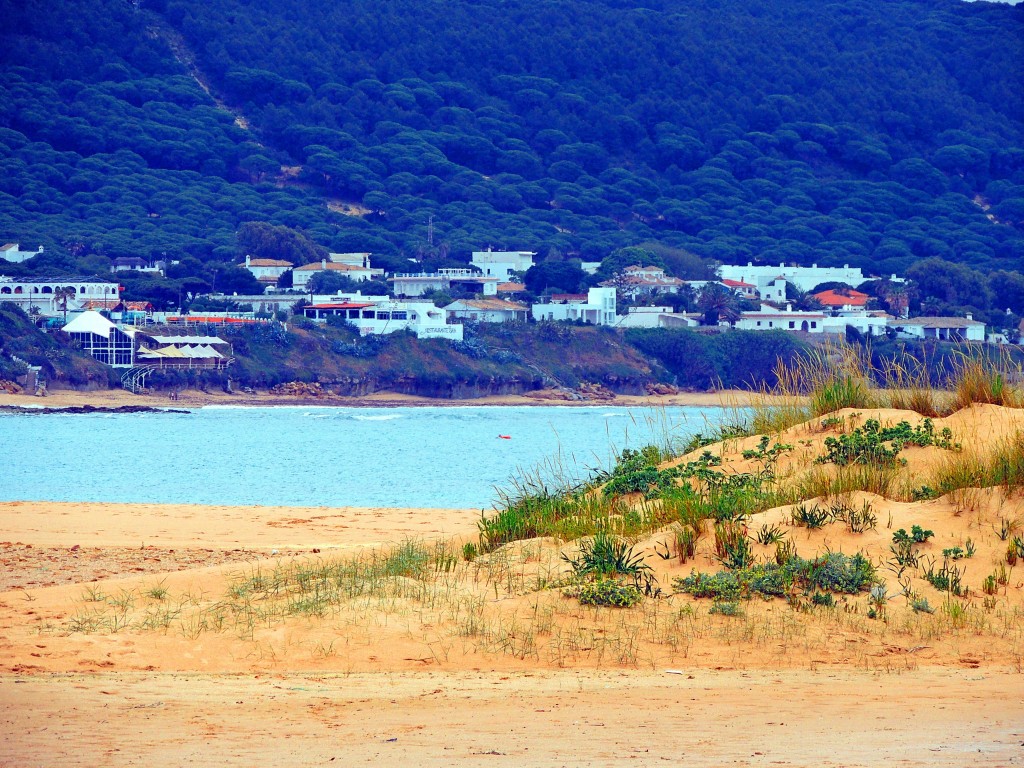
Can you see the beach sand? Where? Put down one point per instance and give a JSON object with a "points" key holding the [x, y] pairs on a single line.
{"points": [[128, 637], [191, 398]]}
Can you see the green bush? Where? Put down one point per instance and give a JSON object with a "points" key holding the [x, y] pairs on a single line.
{"points": [[867, 444], [605, 556], [833, 572], [917, 535], [609, 593]]}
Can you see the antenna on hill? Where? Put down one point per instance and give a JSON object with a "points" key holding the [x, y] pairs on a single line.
{"points": [[430, 230]]}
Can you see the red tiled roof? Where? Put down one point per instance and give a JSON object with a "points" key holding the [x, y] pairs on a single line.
{"points": [[268, 263], [492, 305], [851, 298], [737, 284], [333, 266]]}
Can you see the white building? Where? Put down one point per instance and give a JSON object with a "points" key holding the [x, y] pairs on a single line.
{"points": [[502, 264], [635, 281], [597, 307], [387, 316], [487, 310], [740, 288], [137, 264], [267, 271], [99, 337], [843, 300], [40, 293], [657, 317], [420, 283], [804, 278], [775, 291], [302, 275], [768, 319], [361, 259], [867, 323], [12, 252], [940, 328]]}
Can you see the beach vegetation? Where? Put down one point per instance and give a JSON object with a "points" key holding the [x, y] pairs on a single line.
{"points": [[833, 572]]}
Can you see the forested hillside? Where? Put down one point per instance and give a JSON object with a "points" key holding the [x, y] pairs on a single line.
{"points": [[874, 134]]}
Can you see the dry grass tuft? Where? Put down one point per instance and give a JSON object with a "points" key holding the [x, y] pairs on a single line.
{"points": [[985, 378]]}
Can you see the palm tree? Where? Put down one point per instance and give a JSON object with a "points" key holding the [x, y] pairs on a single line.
{"points": [[718, 302], [802, 300], [60, 298]]}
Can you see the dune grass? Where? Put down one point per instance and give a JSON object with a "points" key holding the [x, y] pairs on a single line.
{"points": [[985, 377], [1003, 467], [837, 375]]}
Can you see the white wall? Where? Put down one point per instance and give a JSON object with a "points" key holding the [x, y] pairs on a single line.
{"points": [[803, 278]]}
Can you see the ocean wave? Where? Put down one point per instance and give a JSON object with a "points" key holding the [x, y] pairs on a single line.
{"points": [[376, 417]]}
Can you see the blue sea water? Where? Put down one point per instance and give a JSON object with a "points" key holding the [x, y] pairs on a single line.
{"points": [[312, 456]]}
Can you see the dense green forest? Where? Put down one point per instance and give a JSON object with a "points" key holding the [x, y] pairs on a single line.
{"points": [[874, 134]]}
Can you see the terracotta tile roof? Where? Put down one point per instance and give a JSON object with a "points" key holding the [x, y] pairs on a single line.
{"points": [[491, 305], [737, 284], [850, 298], [317, 266], [939, 322], [645, 278], [511, 287], [269, 263]]}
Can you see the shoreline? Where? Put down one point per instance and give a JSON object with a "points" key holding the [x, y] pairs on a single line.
{"points": [[191, 399]]}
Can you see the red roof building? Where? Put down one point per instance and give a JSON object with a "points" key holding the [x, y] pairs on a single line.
{"points": [[837, 299]]}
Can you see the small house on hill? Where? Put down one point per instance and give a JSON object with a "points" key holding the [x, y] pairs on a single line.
{"points": [[744, 290], [137, 264], [501, 264], [267, 271], [842, 299], [487, 310], [302, 275], [941, 328], [635, 280], [12, 252], [597, 307], [420, 283]]}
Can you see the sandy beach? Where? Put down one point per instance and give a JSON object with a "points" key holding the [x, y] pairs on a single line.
{"points": [[136, 634], [192, 398]]}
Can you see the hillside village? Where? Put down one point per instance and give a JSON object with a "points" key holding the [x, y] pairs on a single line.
{"points": [[816, 302]]}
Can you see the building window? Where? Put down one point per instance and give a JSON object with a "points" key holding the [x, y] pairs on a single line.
{"points": [[792, 324], [814, 324]]}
